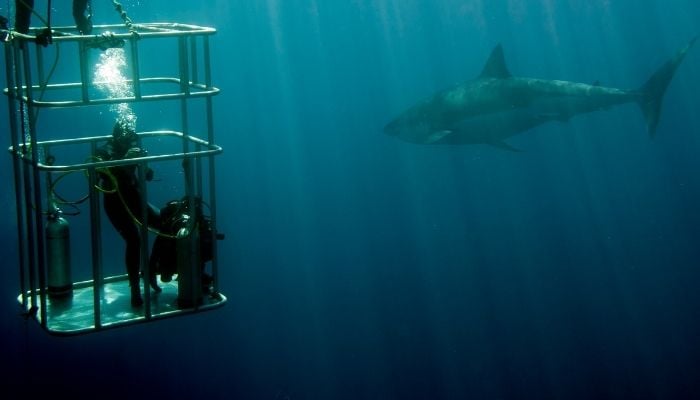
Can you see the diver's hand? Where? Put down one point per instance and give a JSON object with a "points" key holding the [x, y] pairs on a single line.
{"points": [[135, 152]]}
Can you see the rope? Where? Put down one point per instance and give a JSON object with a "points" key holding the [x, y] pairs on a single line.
{"points": [[60, 198], [44, 84]]}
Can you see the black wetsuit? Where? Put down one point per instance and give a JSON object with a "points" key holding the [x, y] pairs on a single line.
{"points": [[122, 204]]}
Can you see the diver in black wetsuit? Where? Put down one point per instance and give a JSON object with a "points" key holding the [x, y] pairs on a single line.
{"points": [[122, 201]]}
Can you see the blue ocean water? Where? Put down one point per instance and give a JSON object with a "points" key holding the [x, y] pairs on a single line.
{"points": [[358, 266]]}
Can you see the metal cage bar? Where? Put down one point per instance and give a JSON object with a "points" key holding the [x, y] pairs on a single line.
{"points": [[17, 168]]}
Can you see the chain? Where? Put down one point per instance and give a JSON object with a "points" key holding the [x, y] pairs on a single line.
{"points": [[127, 21]]}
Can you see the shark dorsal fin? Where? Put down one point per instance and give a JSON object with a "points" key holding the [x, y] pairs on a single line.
{"points": [[496, 65]]}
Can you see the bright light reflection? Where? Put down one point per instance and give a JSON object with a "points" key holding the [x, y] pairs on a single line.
{"points": [[110, 78]]}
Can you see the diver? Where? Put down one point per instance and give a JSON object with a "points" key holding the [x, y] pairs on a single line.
{"points": [[82, 14], [174, 216], [4, 35], [122, 200]]}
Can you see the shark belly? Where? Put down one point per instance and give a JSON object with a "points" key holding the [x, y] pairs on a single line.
{"points": [[497, 126]]}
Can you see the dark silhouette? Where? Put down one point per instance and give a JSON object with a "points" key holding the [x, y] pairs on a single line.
{"points": [[174, 216], [122, 201], [81, 14]]}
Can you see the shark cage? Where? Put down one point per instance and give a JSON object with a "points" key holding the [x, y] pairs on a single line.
{"points": [[71, 275]]}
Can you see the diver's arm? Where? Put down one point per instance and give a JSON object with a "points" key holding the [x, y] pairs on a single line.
{"points": [[103, 153]]}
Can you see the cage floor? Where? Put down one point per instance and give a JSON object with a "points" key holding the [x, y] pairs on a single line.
{"points": [[76, 315]]}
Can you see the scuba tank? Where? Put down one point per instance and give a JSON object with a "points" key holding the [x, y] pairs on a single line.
{"points": [[189, 264], [58, 256]]}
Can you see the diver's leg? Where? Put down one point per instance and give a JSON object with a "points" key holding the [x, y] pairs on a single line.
{"points": [[82, 20], [154, 263], [122, 222], [23, 15], [133, 261]]}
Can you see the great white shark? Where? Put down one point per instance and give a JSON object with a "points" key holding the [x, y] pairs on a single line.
{"points": [[497, 105]]}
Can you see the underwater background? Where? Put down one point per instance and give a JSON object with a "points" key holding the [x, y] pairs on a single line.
{"points": [[358, 266]]}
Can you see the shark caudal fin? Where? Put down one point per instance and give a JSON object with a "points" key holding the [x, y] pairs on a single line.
{"points": [[653, 90]]}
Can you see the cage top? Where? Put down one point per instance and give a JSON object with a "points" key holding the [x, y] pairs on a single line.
{"points": [[120, 31]]}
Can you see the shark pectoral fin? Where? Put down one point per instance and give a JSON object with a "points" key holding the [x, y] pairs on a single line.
{"points": [[437, 136], [504, 146]]}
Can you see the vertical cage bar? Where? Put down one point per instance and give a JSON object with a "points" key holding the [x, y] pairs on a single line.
{"points": [[84, 77], [184, 66], [184, 89], [36, 188], [193, 62], [188, 164], [96, 243], [206, 58], [198, 172], [207, 64], [212, 197], [143, 233], [31, 245], [40, 66], [17, 166], [194, 79], [26, 181], [135, 67]]}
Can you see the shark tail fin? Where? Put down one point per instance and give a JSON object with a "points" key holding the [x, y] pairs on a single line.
{"points": [[652, 92]]}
